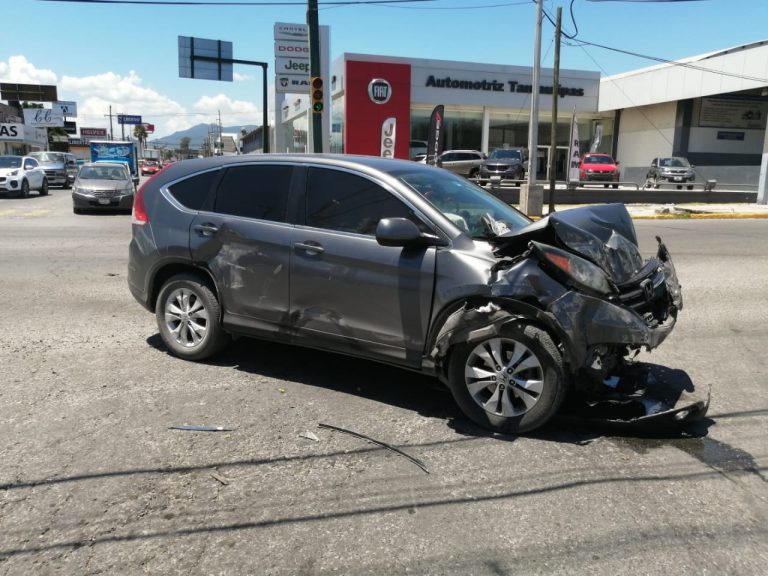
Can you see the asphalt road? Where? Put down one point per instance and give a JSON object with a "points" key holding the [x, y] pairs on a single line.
{"points": [[94, 481]]}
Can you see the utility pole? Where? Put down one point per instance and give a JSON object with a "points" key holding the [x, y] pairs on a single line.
{"points": [[111, 133], [314, 71], [531, 194], [555, 97]]}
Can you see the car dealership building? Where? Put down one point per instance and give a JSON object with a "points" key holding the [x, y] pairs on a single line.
{"points": [[710, 108]]}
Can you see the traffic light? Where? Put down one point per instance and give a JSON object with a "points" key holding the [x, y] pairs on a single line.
{"points": [[316, 88]]}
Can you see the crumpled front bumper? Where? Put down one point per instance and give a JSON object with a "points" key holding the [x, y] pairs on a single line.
{"points": [[641, 396]]}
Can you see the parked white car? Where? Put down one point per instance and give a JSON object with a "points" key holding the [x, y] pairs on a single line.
{"points": [[20, 174]]}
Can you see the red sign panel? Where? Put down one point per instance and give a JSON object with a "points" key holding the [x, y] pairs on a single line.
{"points": [[375, 93], [149, 128], [98, 132]]}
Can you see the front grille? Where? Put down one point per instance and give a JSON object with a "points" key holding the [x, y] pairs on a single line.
{"points": [[103, 193], [647, 296]]}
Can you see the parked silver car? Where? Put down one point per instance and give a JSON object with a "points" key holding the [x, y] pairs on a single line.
{"points": [[103, 186], [462, 162], [407, 264]]}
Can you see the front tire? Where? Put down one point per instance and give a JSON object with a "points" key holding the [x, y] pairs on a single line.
{"points": [[24, 192], [44, 188], [188, 314], [510, 382]]}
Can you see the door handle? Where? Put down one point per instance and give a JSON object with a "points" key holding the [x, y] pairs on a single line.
{"points": [[311, 249], [206, 229]]}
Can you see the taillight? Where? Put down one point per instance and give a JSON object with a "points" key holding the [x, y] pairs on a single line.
{"points": [[140, 216]]}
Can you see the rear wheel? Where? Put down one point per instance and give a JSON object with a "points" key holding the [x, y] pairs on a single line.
{"points": [[509, 382], [44, 188], [188, 315]]}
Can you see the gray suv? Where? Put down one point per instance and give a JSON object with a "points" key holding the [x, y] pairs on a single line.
{"points": [[401, 263], [504, 164]]}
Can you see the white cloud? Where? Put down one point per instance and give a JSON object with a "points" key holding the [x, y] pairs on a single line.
{"points": [[237, 77], [233, 112], [19, 70]]}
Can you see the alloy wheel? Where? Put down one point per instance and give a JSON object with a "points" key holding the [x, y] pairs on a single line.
{"points": [[186, 317], [504, 377]]}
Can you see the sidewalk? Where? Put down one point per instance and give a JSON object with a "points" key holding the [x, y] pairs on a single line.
{"points": [[699, 211]]}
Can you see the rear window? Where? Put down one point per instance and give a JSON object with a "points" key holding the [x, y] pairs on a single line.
{"points": [[192, 192]]}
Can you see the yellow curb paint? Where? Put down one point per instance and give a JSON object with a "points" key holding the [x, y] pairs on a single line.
{"points": [[7, 212], [36, 213]]}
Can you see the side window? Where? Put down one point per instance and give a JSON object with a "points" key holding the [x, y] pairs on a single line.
{"points": [[342, 201], [192, 192], [255, 191]]}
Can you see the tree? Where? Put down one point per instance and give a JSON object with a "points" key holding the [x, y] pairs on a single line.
{"points": [[140, 133], [184, 143]]}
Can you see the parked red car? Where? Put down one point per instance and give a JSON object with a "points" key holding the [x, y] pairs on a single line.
{"points": [[599, 168], [150, 168]]}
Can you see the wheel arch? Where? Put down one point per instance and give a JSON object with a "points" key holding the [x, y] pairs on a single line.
{"points": [[460, 320], [169, 269]]}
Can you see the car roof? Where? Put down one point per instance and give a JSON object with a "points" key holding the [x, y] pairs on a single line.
{"points": [[369, 164]]}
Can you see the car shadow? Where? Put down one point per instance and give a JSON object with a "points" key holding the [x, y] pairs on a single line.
{"points": [[410, 391]]}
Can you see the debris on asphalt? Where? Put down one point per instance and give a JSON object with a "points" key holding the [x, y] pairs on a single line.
{"points": [[196, 428], [310, 436], [416, 461], [220, 477]]}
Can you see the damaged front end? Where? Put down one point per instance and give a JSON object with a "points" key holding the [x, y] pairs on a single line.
{"points": [[579, 275]]}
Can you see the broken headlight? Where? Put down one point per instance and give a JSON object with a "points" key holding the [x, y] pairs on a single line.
{"points": [[580, 271]]}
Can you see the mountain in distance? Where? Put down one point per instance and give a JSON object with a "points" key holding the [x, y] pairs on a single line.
{"points": [[196, 135]]}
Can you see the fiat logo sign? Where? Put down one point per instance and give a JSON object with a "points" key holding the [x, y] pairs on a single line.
{"points": [[379, 91]]}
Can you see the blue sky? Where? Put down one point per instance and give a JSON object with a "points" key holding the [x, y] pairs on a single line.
{"points": [[126, 55]]}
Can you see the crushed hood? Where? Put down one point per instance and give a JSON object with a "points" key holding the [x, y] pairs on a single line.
{"points": [[603, 234]]}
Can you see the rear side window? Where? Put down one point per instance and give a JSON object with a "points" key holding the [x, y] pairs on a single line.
{"points": [[192, 192], [255, 191], [342, 201]]}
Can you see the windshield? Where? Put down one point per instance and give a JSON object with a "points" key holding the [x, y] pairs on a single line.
{"points": [[674, 163], [503, 153], [48, 156], [10, 162], [102, 173], [466, 205], [598, 160]]}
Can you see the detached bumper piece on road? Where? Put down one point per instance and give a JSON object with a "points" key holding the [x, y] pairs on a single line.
{"points": [[643, 397]]}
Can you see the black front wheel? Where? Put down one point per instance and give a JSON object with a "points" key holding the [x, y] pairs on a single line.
{"points": [[510, 382], [24, 192], [44, 188], [188, 314]]}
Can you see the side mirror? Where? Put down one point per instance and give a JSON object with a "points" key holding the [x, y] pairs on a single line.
{"points": [[403, 232]]}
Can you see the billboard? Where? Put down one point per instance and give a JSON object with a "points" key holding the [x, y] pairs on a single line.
{"points": [[31, 92], [65, 108], [42, 118], [93, 132]]}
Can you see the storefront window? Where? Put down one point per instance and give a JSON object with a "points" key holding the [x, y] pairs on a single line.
{"points": [[463, 129], [295, 134], [337, 126]]}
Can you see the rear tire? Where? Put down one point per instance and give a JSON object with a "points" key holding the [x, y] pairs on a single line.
{"points": [[510, 382], [188, 317]]}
